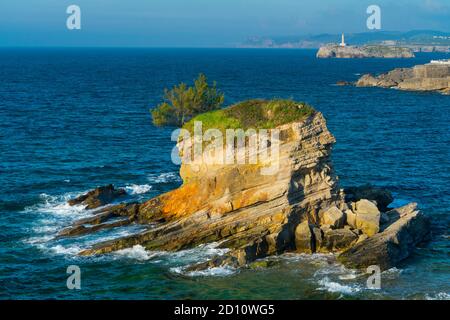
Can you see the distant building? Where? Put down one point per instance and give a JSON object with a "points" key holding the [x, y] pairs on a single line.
{"points": [[342, 44], [442, 61]]}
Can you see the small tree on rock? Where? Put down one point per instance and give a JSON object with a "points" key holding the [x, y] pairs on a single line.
{"points": [[181, 103]]}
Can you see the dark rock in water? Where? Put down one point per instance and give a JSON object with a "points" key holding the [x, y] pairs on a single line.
{"points": [[98, 197], [82, 229], [343, 83], [98, 220], [383, 197], [393, 244]]}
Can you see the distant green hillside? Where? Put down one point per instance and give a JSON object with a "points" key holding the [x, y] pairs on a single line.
{"points": [[416, 37]]}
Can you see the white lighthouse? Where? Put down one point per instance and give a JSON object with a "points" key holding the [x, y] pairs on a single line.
{"points": [[342, 44]]}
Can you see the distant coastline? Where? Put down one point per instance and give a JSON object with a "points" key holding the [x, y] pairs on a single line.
{"points": [[417, 41]]}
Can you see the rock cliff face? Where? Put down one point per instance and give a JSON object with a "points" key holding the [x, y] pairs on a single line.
{"points": [[375, 51], [298, 208], [238, 205], [428, 77]]}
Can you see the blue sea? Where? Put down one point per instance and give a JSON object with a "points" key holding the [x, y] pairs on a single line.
{"points": [[74, 119]]}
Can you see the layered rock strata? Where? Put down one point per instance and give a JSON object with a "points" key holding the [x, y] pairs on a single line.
{"points": [[299, 207], [428, 77]]}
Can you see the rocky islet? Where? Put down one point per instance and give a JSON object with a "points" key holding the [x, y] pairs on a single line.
{"points": [[301, 208]]}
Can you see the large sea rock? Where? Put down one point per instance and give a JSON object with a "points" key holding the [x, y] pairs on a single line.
{"points": [[300, 207], [427, 77], [368, 51]]}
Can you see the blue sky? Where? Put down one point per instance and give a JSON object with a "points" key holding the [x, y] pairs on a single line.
{"points": [[203, 22]]}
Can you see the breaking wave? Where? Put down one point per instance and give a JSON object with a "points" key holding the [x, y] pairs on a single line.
{"points": [[335, 287], [164, 177], [138, 189], [438, 296], [214, 272]]}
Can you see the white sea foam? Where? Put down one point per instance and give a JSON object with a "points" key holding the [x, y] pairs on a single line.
{"points": [[438, 296], [55, 213], [164, 177], [349, 276], [45, 229], [197, 254], [137, 252], [38, 240], [335, 287], [178, 261], [59, 249], [210, 272], [138, 189], [392, 271], [58, 206]]}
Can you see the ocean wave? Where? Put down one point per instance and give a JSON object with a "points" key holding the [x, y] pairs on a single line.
{"points": [[209, 272], [62, 250], [38, 240], [178, 261], [335, 287], [164, 177], [45, 229], [136, 252], [54, 213], [200, 253], [438, 296], [392, 271], [138, 189], [57, 205]]}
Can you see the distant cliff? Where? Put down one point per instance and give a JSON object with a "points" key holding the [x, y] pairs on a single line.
{"points": [[417, 40], [375, 51], [428, 77]]}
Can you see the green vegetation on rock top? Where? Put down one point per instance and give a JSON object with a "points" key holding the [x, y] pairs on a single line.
{"points": [[257, 114]]}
